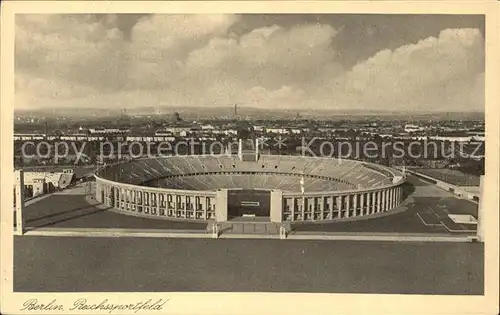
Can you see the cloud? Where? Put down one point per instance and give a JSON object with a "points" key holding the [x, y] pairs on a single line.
{"points": [[73, 48], [84, 60], [162, 37], [30, 91], [423, 75]]}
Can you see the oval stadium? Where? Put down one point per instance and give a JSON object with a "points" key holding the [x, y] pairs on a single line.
{"points": [[248, 184]]}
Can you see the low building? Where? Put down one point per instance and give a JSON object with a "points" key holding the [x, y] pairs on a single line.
{"points": [[413, 128], [39, 183]]}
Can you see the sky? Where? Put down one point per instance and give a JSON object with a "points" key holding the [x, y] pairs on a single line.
{"points": [[287, 61]]}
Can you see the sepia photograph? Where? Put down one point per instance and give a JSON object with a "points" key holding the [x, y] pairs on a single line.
{"points": [[299, 153]]}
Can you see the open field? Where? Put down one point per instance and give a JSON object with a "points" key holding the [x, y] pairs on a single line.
{"points": [[453, 177], [186, 265]]}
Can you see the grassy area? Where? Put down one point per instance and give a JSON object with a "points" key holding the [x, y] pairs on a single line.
{"points": [[73, 264], [453, 177]]}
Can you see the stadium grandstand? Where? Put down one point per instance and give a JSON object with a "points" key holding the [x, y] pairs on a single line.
{"points": [[280, 188]]}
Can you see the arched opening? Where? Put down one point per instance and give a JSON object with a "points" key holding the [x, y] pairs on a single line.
{"points": [[249, 202]]}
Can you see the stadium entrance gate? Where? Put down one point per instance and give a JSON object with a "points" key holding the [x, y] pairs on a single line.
{"points": [[248, 202]]}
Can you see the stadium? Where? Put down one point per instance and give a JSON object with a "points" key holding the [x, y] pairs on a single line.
{"points": [[328, 210], [248, 185]]}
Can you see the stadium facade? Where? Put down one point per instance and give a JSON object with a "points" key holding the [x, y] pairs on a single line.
{"points": [[222, 187]]}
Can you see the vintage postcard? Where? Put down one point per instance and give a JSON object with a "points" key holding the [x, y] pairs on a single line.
{"points": [[334, 157]]}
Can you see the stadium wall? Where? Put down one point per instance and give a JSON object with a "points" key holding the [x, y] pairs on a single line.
{"points": [[173, 204], [342, 205], [159, 202]]}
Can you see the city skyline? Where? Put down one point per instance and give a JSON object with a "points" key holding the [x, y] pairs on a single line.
{"points": [[319, 62]]}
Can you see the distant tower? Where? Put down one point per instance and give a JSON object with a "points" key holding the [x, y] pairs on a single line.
{"points": [[46, 130], [235, 110], [176, 117]]}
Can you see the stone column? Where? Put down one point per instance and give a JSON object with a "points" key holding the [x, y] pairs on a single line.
{"points": [[480, 211], [322, 207], [19, 213], [355, 204], [371, 199], [102, 193], [372, 202], [331, 198], [256, 149], [109, 195], [393, 199], [221, 205], [389, 199], [105, 194], [348, 205], [339, 206], [384, 199], [158, 203], [147, 201], [150, 201], [123, 198], [276, 204], [362, 202], [98, 191], [117, 197], [106, 201], [205, 209], [369, 203], [197, 206], [113, 196], [379, 201], [187, 205], [140, 200], [182, 206], [240, 149], [134, 200], [126, 200], [396, 197], [304, 210]]}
